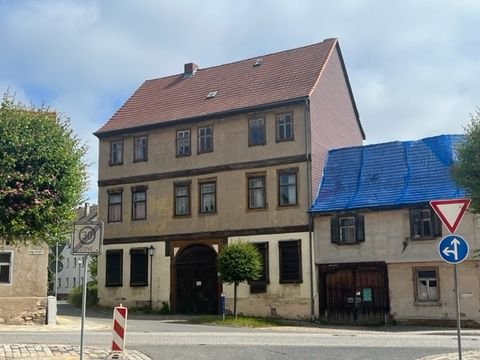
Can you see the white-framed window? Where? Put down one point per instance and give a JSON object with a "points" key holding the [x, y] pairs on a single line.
{"points": [[183, 142], [287, 187], [284, 127], [6, 265], [208, 197], [182, 199], [347, 229], [426, 285], [256, 131], [140, 149], [205, 139], [116, 152], [256, 192]]}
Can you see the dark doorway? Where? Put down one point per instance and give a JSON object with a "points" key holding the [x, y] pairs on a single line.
{"points": [[354, 293], [196, 278]]}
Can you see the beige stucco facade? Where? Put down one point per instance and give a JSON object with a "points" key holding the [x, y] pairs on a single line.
{"points": [[387, 239], [23, 298], [231, 161], [136, 296], [284, 300]]}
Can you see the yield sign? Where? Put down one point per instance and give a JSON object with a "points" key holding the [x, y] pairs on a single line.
{"points": [[450, 211]]}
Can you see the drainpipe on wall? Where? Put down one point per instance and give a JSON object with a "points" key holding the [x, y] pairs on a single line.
{"points": [[308, 155]]}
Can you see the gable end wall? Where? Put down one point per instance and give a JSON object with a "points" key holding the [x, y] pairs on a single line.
{"points": [[332, 116]]}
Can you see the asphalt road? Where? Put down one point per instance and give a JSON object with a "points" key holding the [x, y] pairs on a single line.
{"points": [[175, 339]]}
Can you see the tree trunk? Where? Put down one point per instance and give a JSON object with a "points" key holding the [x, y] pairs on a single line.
{"points": [[235, 299]]}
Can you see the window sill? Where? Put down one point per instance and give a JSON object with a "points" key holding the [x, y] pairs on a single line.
{"points": [[113, 285], [115, 164], [183, 155], [138, 285], [292, 282], [207, 213], [286, 207], [284, 140], [139, 161], [348, 243], [186, 216], [248, 210], [427, 303], [425, 238], [114, 222]]}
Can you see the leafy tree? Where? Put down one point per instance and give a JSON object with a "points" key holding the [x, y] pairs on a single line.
{"points": [[93, 268], [237, 263], [43, 174], [466, 170]]}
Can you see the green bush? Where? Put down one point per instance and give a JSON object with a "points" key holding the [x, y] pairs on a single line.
{"points": [[75, 295]]}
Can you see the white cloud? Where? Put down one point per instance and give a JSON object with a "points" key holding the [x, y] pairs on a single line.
{"points": [[412, 64]]}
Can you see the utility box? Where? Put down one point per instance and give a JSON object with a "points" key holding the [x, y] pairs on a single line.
{"points": [[51, 310]]}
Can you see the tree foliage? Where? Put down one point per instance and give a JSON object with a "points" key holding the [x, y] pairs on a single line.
{"points": [[466, 170], [43, 175], [237, 263]]}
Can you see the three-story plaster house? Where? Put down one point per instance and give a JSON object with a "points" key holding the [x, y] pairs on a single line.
{"points": [[197, 160]]}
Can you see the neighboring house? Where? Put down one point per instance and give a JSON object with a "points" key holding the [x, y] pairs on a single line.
{"points": [[71, 274], [376, 236], [23, 284], [194, 161]]}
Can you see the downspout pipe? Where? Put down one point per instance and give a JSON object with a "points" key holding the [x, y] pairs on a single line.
{"points": [[308, 157]]}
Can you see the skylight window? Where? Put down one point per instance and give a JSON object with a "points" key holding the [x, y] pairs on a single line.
{"points": [[258, 62], [212, 94]]}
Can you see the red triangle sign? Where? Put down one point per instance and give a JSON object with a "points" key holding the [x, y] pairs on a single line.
{"points": [[450, 211]]}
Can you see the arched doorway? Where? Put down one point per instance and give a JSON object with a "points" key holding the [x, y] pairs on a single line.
{"points": [[196, 279]]}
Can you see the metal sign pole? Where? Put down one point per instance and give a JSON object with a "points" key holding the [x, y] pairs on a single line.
{"points": [[56, 270], [84, 303], [457, 307]]}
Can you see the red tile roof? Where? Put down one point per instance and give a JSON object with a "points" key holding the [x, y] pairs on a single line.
{"points": [[282, 76]]}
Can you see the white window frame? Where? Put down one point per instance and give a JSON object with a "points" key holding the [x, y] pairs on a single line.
{"points": [[10, 268], [430, 298]]}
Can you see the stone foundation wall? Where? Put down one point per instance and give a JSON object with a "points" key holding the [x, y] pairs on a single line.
{"points": [[23, 310]]}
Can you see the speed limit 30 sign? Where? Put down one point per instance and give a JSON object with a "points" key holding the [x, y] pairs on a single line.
{"points": [[87, 238]]}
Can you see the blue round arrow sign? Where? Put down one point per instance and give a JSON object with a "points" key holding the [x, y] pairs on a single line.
{"points": [[453, 249]]}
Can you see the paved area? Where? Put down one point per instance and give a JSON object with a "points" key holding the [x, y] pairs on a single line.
{"points": [[466, 355], [64, 352], [69, 322]]}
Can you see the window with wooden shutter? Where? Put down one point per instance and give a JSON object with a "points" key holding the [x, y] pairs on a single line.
{"points": [[114, 268], [347, 229], [290, 261], [424, 224], [139, 267]]}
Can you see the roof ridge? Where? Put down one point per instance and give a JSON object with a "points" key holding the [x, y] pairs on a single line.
{"points": [[334, 40]]}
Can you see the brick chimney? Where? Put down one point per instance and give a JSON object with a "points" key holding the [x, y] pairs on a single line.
{"points": [[189, 69]]}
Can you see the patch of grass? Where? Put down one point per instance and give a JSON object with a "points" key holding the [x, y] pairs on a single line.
{"points": [[241, 321]]}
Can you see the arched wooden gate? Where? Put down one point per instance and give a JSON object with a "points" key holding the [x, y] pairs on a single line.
{"points": [[196, 281]]}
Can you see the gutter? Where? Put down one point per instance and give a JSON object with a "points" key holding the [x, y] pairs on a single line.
{"points": [[308, 155]]}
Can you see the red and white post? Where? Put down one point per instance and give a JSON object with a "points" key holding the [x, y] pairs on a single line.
{"points": [[119, 327]]}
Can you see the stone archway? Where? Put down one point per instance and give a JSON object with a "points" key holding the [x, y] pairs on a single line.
{"points": [[196, 281]]}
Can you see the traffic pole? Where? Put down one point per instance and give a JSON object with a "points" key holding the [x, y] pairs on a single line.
{"points": [[119, 328], [457, 308], [84, 304]]}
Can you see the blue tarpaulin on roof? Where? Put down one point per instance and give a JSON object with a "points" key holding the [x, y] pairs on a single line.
{"points": [[388, 175]]}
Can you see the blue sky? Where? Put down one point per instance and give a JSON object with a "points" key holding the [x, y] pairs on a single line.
{"points": [[414, 66]]}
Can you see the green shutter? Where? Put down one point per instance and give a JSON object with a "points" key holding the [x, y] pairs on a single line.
{"points": [[360, 228], [334, 230]]}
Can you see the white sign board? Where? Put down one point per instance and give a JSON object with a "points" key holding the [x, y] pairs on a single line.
{"points": [[87, 238]]}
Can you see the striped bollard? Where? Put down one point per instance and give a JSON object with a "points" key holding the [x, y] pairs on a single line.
{"points": [[119, 327]]}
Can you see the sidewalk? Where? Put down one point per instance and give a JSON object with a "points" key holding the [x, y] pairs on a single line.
{"points": [[64, 352]]}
